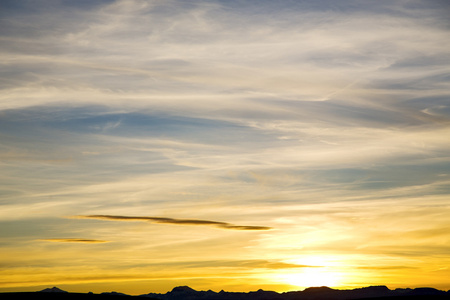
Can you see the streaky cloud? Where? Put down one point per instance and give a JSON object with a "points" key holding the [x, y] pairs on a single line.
{"points": [[387, 267], [270, 264], [174, 221], [74, 240], [242, 264]]}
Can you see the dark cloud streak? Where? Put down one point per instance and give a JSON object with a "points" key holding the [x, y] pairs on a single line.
{"points": [[161, 220], [72, 240]]}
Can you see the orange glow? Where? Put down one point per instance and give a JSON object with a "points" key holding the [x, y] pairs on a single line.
{"points": [[321, 272], [310, 277]]}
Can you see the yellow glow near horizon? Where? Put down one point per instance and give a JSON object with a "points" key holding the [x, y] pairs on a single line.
{"points": [[320, 273], [312, 277]]}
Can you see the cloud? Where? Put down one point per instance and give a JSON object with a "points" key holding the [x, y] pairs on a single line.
{"points": [[241, 264], [74, 240], [160, 220], [185, 51], [387, 268], [273, 265]]}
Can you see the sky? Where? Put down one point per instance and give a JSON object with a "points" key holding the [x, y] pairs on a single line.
{"points": [[224, 144]]}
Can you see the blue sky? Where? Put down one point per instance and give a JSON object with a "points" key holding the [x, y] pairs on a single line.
{"points": [[327, 122]]}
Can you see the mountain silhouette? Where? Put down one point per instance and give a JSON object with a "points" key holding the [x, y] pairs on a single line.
{"points": [[312, 293], [53, 290], [187, 293]]}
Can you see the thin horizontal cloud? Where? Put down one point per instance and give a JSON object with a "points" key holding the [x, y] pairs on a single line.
{"points": [[72, 240], [268, 264], [242, 264], [161, 220], [386, 267]]}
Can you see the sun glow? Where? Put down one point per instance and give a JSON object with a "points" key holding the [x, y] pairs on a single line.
{"points": [[311, 277], [319, 271]]}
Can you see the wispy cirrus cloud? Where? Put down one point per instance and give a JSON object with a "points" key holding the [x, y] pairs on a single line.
{"points": [[233, 263], [173, 221], [74, 240]]}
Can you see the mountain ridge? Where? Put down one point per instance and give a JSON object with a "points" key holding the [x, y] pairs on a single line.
{"points": [[312, 293], [187, 293]]}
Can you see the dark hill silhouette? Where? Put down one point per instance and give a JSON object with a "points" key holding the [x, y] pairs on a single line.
{"points": [[313, 293], [53, 290], [187, 293]]}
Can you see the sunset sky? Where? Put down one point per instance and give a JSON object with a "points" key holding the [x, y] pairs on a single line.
{"points": [[224, 144]]}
